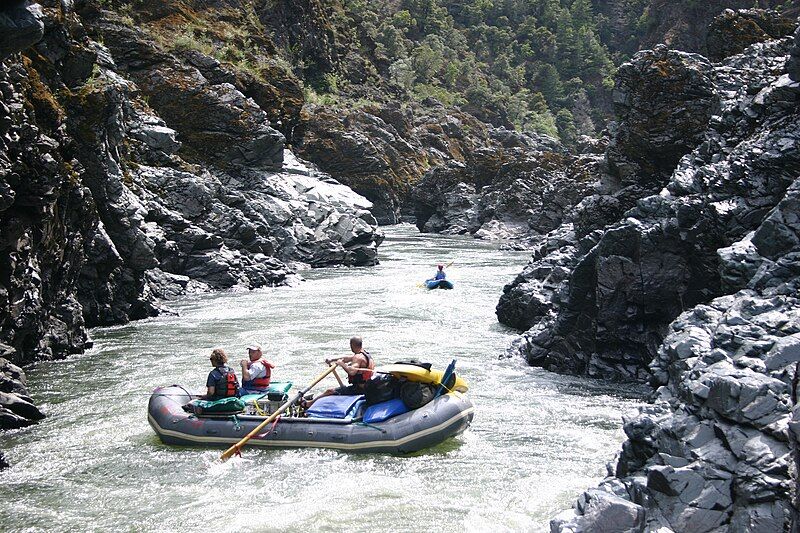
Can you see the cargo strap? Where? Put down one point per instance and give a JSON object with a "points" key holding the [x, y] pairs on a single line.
{"points": [[259, 411], [371, 426], [236, 425], [271, 429]]}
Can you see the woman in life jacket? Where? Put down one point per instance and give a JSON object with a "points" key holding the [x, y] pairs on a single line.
{"points": [[256, 371], [221, 382]]}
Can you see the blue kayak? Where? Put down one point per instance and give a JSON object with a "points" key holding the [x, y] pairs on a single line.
{"points": [[438, 284]]}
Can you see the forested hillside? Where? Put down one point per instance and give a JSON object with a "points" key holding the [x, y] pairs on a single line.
{"points": [[545, 66], [536, 65]]}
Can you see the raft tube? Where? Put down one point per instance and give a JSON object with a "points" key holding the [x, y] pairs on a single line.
{"points": [[438, 284], [442, 418], [419, 374]]}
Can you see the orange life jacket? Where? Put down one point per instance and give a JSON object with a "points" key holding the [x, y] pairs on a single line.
{"points": [[262, 382], [362, 376]]}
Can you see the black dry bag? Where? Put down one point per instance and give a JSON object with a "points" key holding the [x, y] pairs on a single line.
{"points": [[415, 395], [381, 389]]}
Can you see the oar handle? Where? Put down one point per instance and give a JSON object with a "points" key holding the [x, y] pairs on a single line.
{"points": [[227, 454], [341, 383]]}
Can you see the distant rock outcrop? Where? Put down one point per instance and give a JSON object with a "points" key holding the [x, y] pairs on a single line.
{"points": [[685, 25], [733, 31], [522, 189], [384, 150]]}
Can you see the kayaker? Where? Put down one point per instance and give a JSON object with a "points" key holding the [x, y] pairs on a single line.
{"points": [[358, 366], [256, 371], [221, 382], [440, 273]]}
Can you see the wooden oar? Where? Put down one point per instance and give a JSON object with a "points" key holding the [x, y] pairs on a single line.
{"points": [[341, 383], [238, 446]]}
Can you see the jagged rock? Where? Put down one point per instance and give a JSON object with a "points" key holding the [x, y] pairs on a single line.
{"points": [[685, 26], [304, 25], [663, 100], [218, 124], [513, 193], [714, 452], [596, 212], [598, 510], [621, 294], [20, 27], [733, 31], [384, 151], [793, 64], [19, 407], [273, 87], [16, 407], [94, 177]]}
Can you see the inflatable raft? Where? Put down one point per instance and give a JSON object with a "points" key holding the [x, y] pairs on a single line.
{"points": [[438, 284], [387, 427]]}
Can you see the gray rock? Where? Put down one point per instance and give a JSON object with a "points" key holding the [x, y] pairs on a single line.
{"points": [[21, 26], [128, 178], [20, 407], [598, 510], [695, 289]]}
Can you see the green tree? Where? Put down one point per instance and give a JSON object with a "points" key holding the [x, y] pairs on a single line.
{"points": [[565, 123], [428, 59], [548, 82], [402, 73]]}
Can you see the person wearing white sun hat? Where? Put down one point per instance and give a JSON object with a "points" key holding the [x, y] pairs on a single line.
{"points": [[256, 370]]}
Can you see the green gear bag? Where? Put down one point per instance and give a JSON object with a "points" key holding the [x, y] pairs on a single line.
{"points": [[223, 406]]}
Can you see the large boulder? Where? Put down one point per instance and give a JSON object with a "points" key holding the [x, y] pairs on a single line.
{"points": [[21, 26], [733, 31], [663, 100]]}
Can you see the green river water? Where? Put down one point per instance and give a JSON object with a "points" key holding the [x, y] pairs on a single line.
{"points": [[537, 440]]}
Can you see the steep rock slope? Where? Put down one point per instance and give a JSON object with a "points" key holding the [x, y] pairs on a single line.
{"points": [[663, 100], [607, 314], [129, 175], [686, 25], [517, 192], [383, 150], [714, 451]]}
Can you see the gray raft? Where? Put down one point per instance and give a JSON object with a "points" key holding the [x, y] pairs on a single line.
{"points": [[444, 417]]}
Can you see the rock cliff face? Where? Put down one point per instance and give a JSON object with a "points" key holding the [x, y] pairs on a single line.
{"points": [[529, 186], [694, 290], [516, 192], [384, 150], [130, 174], [687, 26], [733, 31], [608, 313]]}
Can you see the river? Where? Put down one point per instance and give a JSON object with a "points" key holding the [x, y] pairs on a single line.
{"points": [[537, 440]]}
